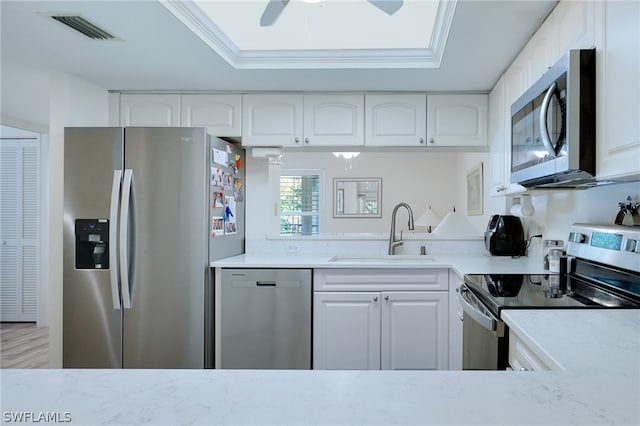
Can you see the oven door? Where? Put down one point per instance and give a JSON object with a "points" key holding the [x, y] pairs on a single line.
{"points": [[484, 342]]}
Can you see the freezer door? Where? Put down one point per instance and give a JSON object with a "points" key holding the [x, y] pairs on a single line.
{"points": [[167, 243], [91, 325]]}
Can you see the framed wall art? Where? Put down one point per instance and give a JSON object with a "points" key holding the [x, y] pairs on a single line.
{"points": [[475, 193]]}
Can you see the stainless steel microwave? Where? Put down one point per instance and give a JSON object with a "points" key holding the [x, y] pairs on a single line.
{"points": [[553, 126]]}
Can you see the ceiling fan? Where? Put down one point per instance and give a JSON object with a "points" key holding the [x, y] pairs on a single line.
{"points": [[275, 7]]}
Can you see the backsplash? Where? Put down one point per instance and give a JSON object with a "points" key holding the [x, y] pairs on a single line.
{"points": [[555, 211], [436, 179], [363, 245]]}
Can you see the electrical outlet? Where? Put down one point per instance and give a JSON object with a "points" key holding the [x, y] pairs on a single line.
{"points": [[292, 248]]}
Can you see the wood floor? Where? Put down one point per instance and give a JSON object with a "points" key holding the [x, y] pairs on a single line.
{"points": [[23, 345]]}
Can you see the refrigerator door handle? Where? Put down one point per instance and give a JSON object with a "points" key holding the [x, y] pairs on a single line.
{"points": [[113, 237], [124, 240]]}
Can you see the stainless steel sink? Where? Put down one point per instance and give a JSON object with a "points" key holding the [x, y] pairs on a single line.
{"points": [[395, 258]]}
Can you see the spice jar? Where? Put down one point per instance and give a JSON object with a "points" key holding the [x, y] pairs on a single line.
{"points": [[554, 260], [547, 246]]}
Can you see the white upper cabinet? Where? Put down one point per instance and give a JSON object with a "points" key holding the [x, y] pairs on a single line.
{"points": [[152, 110], [396, 120], [457, 120], [333, 120], [538, 58], [500, 137], [220, 114], [272, 119], [618, 93], [497, 139], [573, 26], [304, 120]]}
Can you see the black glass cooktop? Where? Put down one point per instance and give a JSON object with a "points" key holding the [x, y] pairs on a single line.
{"points": [[499, 291]]}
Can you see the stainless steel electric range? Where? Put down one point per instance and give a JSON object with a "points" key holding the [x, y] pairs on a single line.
{"points": [[601, 270]]}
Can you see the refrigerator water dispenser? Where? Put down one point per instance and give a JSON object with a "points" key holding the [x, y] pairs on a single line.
{"points": [[92, 244]]}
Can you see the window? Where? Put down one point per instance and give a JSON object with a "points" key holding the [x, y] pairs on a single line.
{"points": [[299, 202]]}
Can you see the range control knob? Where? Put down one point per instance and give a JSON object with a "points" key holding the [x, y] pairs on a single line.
{"points": [[577, 237], [631, 245]]}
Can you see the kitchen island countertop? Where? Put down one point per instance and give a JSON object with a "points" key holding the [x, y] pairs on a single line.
{"points": [[603, 394]]}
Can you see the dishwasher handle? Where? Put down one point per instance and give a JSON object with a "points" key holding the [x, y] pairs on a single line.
{"points": [[265, 283]]}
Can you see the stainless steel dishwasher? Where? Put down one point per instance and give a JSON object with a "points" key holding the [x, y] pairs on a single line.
{"points": [[265, 318]]}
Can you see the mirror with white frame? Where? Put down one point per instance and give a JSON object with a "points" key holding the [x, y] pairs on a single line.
{"points": [[357, 197]]}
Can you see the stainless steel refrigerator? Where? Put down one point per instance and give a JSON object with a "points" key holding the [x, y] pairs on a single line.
{"points": [[138, 236]]}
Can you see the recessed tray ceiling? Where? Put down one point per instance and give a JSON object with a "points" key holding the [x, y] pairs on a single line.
{"points": [[324, 34]]}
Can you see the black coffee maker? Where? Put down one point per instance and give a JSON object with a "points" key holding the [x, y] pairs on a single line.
{"points": [[505, 236]]}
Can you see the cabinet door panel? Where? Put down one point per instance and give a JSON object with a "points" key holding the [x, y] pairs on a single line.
{"points": [[457, 120], [346, 331], [396, 120], [414, 330], [574, 26], [539, 56], [619, 82], [334, 120], [150, 110], [220, 114], [271, 120], [497, 139]]}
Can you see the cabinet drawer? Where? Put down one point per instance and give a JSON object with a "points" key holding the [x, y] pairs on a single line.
{"points": [[522, 357], [380, 279]]}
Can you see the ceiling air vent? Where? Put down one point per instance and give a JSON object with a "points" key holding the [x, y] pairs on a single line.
{"points": [[85, 27]]}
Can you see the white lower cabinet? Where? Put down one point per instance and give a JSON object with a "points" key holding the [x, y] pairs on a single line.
{"points": [[455, 322], [398, 329], [414, 330], [346, 331], [522, 357]]}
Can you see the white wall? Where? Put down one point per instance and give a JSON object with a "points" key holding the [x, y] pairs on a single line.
{"points": [[25, 98], [47, 103], [418, 178], [556, 211]]}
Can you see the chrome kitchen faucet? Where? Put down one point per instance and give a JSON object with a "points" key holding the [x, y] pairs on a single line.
{"points": [[393, 243]]}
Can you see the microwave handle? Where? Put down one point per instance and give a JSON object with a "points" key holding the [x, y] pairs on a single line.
{"points": [[544, 131]]}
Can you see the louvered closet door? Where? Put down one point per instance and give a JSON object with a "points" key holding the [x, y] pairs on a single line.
{"points": [[19, 245]]}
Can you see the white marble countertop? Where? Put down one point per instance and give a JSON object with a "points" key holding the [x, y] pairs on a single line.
{"points": [[581, 340], [598, 349], [462, 263], [287, 397]]}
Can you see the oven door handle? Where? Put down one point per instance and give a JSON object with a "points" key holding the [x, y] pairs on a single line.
{"points": [[485, 319]]}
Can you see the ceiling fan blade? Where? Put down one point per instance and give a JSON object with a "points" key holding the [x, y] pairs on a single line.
{"points": [[272, 11], [387, 6]]}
